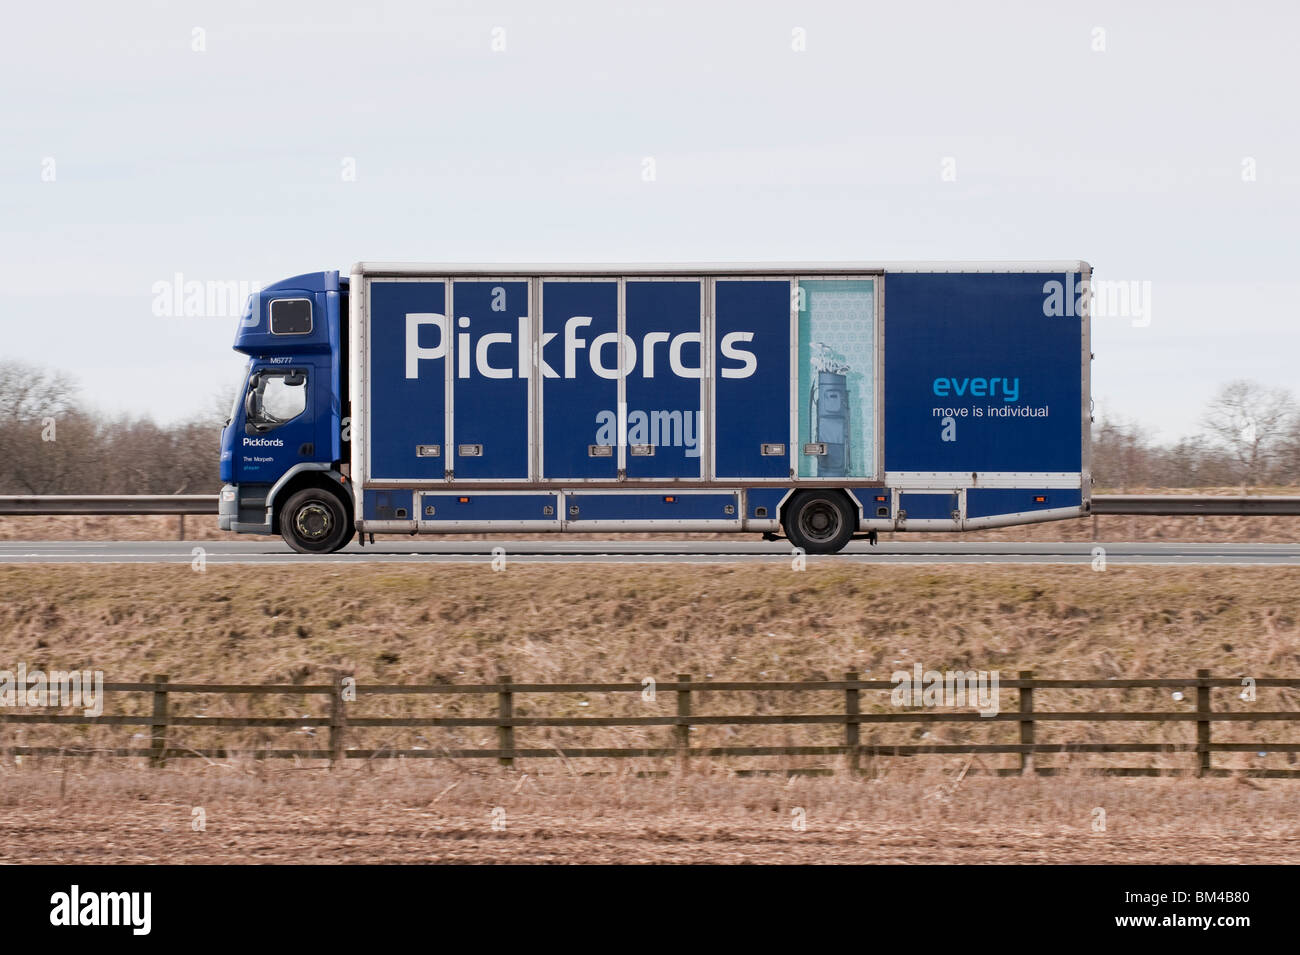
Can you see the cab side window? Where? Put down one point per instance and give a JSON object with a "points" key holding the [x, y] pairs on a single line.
{"points": [[274, 399]]}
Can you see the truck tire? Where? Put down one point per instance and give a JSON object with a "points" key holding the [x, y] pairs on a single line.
{"points": [[820, 522], [314, 521]]}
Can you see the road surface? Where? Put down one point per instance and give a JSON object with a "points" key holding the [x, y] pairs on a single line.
{"points": [[570, 550]]}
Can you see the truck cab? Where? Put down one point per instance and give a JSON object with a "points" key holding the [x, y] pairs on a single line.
{"points": [[283, 450]]}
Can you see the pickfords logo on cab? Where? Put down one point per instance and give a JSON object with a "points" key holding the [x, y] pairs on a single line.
{"points": [[264, 442], [493, 356]]}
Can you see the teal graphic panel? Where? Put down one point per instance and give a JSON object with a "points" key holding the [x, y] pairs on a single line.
{"points": [[837, 378]]}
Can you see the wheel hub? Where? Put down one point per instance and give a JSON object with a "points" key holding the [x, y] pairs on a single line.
{"points": [[820, 521], [314, 522]]}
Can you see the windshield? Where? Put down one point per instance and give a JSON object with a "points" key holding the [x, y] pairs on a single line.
{"points": [[237, 397]]}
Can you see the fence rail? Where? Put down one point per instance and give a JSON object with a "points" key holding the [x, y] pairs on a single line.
{"points": [[103, 505], [162, 719], [1211, 505], [1167, 505]]}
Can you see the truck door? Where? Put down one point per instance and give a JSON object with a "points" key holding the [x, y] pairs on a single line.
{"points": [[409, 342], [489, 438], [752, 378], [836, 394], [279, 423], [664, 427], [579, 368]]}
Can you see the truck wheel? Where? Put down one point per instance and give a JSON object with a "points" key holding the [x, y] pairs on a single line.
{"points": [[314, 521], [821, 522]]}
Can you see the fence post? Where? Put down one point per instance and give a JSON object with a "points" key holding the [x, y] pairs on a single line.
{"points": [[1202, 725], [1026, 722], [158, 729], [338, 720], [180, 527], [506, 732], [683, 729], [851, 708]]}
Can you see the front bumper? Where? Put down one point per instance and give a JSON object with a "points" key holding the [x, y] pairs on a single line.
{"points": [[243, 516], [227, 507]]}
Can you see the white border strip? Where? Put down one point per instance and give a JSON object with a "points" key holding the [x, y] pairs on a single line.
{"points": [[777, 269], [913, 481]]}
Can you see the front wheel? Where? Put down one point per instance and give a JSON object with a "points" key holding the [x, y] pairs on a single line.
{"points": [[820, 522], [314, 521]]}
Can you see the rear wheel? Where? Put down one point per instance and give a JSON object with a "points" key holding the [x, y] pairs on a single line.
{"points": [[820, 522], [314, 521]]}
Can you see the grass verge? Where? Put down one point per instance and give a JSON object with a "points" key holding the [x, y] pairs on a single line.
{"points": [[465, 623]]}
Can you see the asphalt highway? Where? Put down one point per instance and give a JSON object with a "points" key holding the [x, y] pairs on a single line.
{"points": [[570, 550]]}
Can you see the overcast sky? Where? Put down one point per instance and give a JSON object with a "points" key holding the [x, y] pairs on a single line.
{"points": [[778, 131]]}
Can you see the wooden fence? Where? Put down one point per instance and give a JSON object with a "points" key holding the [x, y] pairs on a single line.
{"points": [[163, 719]]}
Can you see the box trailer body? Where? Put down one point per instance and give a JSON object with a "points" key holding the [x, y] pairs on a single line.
{"points": [[823, 400]]}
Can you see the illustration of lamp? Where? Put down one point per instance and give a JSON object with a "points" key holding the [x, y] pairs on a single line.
{"points": [[828, 411]]}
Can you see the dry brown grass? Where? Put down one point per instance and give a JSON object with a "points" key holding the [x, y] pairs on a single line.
{"points": [[400, 813], [608, 620], [464, 623], [545, 623]]}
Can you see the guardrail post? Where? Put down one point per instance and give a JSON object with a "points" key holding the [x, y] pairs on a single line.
{"points": [[338, 720], [1026, 722], [851, 709], [158, 728], [180, 527], [506, 732], [682, 730], [1202, 725]]}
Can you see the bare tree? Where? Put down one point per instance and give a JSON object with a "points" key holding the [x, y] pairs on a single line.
{"points": [[30, 393], [1288, 458], [1122, 454], [1250, 422], [37, 407], [49, 444]]}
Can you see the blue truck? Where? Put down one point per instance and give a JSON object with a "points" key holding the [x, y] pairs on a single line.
{"points": [[824, 401]]}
